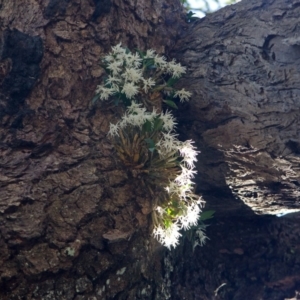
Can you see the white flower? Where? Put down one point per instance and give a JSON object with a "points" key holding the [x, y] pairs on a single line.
{"points": [[134, 107], [121, 57], [184, 191], [160, 61], [133, 75], [160, 210], [115, 67], [113, 129], [148, 83], [141, 112], [167, 236], [169, 136], [191, 217], [104, 92], [172, 236], [133, 60], [172, 188], [200, 202], [158, 232], [169, 121], [124, 122], [176, 69], [151, 116], [150, 54], [112, 80], [188, 152], [185, 176], [130, 90], [118, 49], [201, 237], [109, 58], [183, 95], [167, 144], [135, 120], [137, 115]]}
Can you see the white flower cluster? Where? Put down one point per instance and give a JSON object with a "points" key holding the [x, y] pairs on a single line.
{"points": [[182, 185], [132, 76], [136, 115], [200, 238], [169, 236], [128, 74]]}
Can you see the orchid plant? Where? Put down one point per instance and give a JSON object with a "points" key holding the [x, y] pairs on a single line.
{"points": [[142, 76], [145, 138]]}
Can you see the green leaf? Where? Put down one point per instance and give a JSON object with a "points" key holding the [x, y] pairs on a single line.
{"points": [[149, 63], [158, 124], [151, 67], [189, 17], [126, 101], [175, 204], [104, 66], [116, 101], [207, 215], [167, 223], [171, 103], [127, 50], [190, 14], [147, 127], [172, 81], [96, 97], [151, 144], [141, 53], [170, 212]]}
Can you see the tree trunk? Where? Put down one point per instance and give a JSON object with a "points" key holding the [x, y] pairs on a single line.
{"points": [[75, 225], [244, 75]]}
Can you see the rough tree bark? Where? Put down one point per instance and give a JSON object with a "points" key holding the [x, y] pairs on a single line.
{"points": [[74, 225], [244, 74]]}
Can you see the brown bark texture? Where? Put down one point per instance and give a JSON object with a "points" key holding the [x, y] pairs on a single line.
{"points": [[244, 74], [75, 225]]}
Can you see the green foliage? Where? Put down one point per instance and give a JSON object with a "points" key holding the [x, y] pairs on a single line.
{"points": [[208, 214], [138, 151], [196, 234], [190, 18], [145, 140], [171, 103]]}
